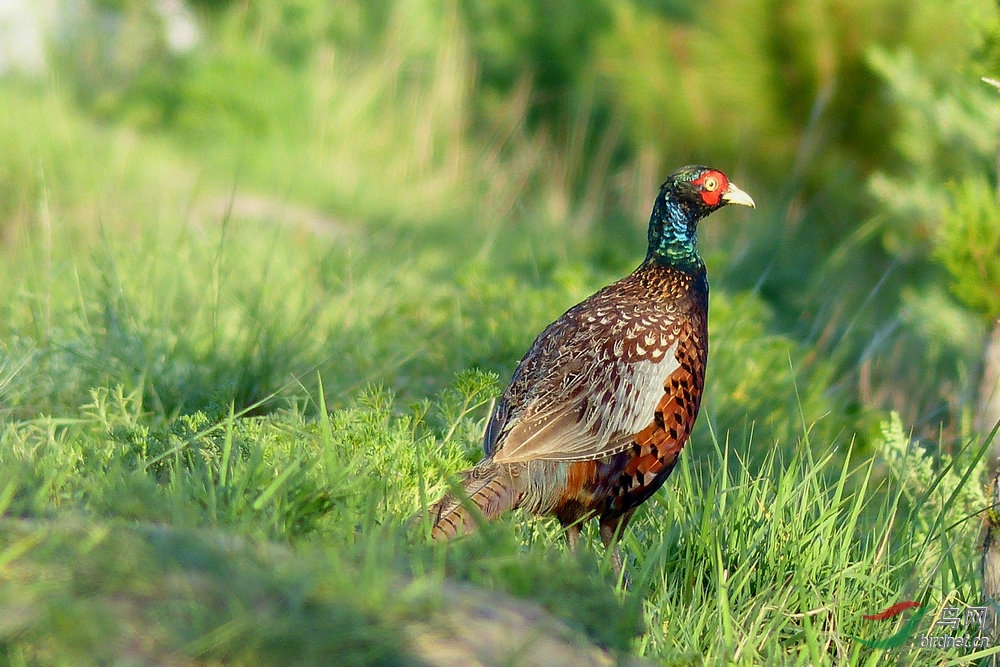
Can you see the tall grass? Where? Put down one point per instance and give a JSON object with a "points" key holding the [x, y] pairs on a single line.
{"points": [[771, 561]]}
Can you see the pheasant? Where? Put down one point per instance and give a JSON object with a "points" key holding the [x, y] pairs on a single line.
{"points": [[601, 405]]}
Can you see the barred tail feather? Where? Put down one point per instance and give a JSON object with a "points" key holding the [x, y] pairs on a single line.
{"points": [[487, 492]]}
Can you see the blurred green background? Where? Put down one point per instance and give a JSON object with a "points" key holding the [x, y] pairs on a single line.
{"points": [[463, 151]]}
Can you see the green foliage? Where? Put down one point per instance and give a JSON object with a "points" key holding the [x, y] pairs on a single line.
{"points": [[940, 496], [551, 45], [789, 85], [744, 358], [937, 208], [968, 246], [948, 131]]}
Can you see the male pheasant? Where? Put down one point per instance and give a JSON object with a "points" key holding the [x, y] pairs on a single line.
{"points": [[601, 405]]}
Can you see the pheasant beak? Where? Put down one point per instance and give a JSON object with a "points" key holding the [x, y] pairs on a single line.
{"points": [[733, 195]]}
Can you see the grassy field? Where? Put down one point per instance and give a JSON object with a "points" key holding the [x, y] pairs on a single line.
{"points": [[234, 364]]}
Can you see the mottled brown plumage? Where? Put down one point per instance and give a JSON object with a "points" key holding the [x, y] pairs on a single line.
{"points": [[602, 403]]}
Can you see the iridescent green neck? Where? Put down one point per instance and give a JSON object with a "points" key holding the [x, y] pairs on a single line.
{"points": [[673, 239]]}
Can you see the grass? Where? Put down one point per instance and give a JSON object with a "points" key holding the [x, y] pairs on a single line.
{"points": [[225, 389], [246, 539]]}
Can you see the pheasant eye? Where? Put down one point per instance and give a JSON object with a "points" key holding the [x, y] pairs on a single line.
{"points": [[711, 184]]}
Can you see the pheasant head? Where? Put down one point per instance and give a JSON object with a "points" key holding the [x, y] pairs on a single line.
{"points": [[687, 196]]}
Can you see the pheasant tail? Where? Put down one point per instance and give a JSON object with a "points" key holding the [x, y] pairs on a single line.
{"points": [[487, 491]]}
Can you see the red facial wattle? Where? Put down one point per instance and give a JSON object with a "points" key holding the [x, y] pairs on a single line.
{"points": [[711, 186]]}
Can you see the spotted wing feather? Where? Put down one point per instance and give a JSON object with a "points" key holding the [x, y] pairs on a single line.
{"points": [[594, 378], [657, 446]]}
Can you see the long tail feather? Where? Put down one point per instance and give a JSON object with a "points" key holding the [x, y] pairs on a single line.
{"points": [[487, 491]]}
